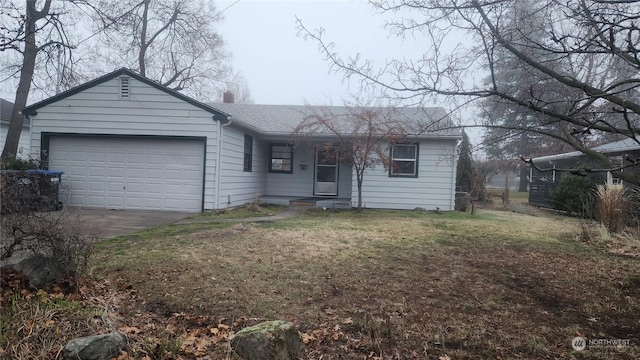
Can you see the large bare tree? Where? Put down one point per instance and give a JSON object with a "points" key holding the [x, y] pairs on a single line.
{"points": [[32, 35], [170, 41], [586, 53]]}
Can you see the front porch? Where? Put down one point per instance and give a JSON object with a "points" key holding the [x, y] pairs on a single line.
{"points": [[310, 202]]}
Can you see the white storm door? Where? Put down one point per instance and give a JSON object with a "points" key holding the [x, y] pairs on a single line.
{"points": [[326, 172]]}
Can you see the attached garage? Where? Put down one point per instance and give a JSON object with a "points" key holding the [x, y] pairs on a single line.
{"points": [[136, 172]]}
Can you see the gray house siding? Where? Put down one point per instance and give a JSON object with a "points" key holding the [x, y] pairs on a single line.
{"points": [[153, 122], [23, 144], [301, 182], [237, 186], [148, 111], [433, 188]]}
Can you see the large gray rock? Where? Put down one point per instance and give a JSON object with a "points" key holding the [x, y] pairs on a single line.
{"points": [[97, 347], [41, 270], [271, 340]]}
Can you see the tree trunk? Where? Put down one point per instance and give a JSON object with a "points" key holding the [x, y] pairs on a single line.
{"points": [[24, 85], [524, 178], [143, 40], [359, 193]]}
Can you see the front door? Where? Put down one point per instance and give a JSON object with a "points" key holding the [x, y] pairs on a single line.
{"points": [[326, 174]]}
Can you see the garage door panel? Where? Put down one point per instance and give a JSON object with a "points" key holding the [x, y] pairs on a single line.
{"points": [[91, 200], [134, 188], [135, 159], [154, 161], [130, 172], [113, 202], [96, 186], [137, 173], [93, 157]]}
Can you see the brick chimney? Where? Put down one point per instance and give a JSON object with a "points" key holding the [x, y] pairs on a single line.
{"points": [[227, 97]]}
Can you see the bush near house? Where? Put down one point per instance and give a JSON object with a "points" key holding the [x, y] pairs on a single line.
{"points": [[576, 194], [26, 230]]}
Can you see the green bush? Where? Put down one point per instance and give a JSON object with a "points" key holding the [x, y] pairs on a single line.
{"points": [[21, 164], [576, 194]]}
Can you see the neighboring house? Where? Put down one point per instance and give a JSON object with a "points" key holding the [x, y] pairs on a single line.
{"points": [[6, 107], [498, 180], [622, 153], [126, 142]]}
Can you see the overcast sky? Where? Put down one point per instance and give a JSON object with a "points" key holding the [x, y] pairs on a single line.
{"points": [[283, 68]]}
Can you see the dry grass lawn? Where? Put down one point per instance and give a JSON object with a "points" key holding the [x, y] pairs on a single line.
{"points": [[381, 284], [377, 285]]}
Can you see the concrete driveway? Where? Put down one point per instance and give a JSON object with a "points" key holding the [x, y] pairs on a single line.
{"points": [[106, 223]]}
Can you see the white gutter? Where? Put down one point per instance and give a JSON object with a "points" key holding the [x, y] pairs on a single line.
{"points": [[219, 161]]}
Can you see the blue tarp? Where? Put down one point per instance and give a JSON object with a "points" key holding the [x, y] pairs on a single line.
{"points": [[47, 172]]}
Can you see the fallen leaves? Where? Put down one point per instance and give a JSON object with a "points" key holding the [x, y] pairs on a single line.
{"points": [[198, 341], [130, 330], [125, 356]]}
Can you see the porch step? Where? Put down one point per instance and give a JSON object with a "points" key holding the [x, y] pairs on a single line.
{"points": [[303, 203]]}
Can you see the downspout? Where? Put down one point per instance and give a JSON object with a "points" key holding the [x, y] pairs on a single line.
{"points": [[453, 177], [219, 160]]}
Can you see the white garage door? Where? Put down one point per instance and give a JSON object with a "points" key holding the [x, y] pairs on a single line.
{"points": [[129, 173]]}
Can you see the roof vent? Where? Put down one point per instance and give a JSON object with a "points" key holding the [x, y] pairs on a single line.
{"points": [[124, 87]]}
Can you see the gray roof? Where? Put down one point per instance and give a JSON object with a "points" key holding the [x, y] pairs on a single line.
{"points": [[627, 144], [6, 107], [281, 120]]}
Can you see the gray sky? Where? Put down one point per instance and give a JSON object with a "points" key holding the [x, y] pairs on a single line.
{"points": [[283, 68]]}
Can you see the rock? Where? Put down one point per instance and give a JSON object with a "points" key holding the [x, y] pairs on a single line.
{"points": [[271, 340], [41, 270], [97, 347]]}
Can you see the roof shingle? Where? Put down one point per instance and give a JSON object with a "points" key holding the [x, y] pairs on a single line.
{"points": [[283, 119]]}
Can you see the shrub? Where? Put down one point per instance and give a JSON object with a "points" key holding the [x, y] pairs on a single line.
{"points": [[25, 231], [21, 164], [576, 194], [612, 206]]}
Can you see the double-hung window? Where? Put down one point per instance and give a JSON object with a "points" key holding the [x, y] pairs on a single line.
{"points": [[281, 158], [404, 160], [248, 152]]}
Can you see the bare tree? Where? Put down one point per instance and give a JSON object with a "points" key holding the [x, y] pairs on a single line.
{"points": [[170, 41], [36, 36], [360, 135], [587, 49]]}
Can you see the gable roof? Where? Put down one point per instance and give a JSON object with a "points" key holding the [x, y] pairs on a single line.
{"points": [[32, 109], [627, 144], [281, 120], [6, 108]]}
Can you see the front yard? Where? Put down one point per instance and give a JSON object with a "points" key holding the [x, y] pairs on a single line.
{"points": [[382, 284]]}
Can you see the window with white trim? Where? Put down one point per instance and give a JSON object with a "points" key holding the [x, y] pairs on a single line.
{"points": [[281, 158], [404, 160]]}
